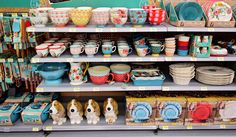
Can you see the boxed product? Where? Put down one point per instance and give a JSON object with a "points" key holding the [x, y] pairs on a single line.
{"points": [[170, 110], [9, 113], [140, 111]]}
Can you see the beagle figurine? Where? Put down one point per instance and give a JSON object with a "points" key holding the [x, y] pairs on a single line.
{"points": [[75, 111], [110, 110], [92, 111], [57, 112]]}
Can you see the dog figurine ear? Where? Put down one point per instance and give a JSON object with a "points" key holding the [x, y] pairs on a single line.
{"points": [[85, 108], [115, 106], [97, 108]]}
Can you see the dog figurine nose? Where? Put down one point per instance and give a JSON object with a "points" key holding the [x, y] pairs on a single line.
{"points": [[108, 109], [72, 110], [50, 111], [89, 110]]}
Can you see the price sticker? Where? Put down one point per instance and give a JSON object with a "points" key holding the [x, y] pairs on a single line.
{"points": [[96, 89], [30, 29], [72, 30], [70, 60], [49, 128], [14, 15], [1, 14], [141, 88], [124, 59], [106, 59], [113, 30], [210, 29], [35, 60], [138, 59], [220, 59], [165, 88], [165, 127], [222, 126], [153, 29], [24, 14], [180, 29], [52, 29], [40, 90], [20, 60], [189, 127], [193, 59], [10, 60], [2, 60], [204, 88], [174, 124], [35, 129], [6, 129], [168, 58], [76, 89], [154, 59], [133, 30], [99, 30]]}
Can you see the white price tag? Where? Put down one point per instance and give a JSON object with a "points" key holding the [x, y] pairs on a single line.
{"points": [[106, 59], [165, 88], [2, 60], [10, 60], [180, 29], [113, 30], [168, 58], [165, 127], [35, 129], [70, 60], [72, 30], [153, 29], [24, 14], [40, 90], [220, 58], [222, 126], [49, 128], [99, 30], [133, 30], [76, 89], [124, 59], [52, 29], [31, 29], [35, 60], [204, 89], [14, 15], [139, 59], [189, 127], [141, 88], [96, 89], [210, 29], [193, 59], [20, 60], [154, 59]]}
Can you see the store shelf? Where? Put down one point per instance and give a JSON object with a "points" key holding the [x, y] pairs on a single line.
{"points": [[20, 127], [67, 57], [93, 28], [102, 125], [169, 85], [190, 127], [85, 87], [171, 28]]}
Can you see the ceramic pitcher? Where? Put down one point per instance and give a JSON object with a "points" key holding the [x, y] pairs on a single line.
{"points": [[77, 73]]}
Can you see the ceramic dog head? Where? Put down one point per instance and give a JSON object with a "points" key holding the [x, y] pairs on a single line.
{"points": [[75, 111], [110, 110], [57, 112], [91, 106]]}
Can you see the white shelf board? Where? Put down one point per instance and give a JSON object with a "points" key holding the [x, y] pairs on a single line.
{"points": [[195, 127], [169, 85], [67, 57], [101, 125], [93, 28], [171, 28], [85, 87], [19, 126]]}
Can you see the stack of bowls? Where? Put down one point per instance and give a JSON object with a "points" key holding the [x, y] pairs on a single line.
{"points": [[101, 16], [183, 45], [60, 16], [137, 16], [39, 17], [156, 16], [182, 73], [81, 16], [214, 75], [119, 16], [170, 45]]}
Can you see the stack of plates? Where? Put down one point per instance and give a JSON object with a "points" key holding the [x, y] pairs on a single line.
{"points": [[214, 75], [182, 73]]}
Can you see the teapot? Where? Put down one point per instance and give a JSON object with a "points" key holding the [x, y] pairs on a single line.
{"points": [[77, 73]]}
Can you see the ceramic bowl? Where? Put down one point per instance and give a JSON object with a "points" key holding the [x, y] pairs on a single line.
{"points": [[99, 71], [137, 16], [182, 52], [42, 50], [81, 16], [39, 21], [120, 68], [119, 16], [101, 16], [60, 16]]}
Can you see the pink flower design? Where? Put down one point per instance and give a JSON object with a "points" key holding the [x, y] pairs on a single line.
{"points": [[117, 20]]}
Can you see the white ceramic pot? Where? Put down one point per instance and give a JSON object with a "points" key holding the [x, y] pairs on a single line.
{"points": [[42, 50]]}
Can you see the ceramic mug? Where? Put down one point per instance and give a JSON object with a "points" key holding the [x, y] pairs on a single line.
{"points": [[56, 50], [91, 50], [156, 49], [142, 50], [169, 52], [42, 50], [76, 50], [121, 77], [108, 49], [124, 50], [100, 80]]}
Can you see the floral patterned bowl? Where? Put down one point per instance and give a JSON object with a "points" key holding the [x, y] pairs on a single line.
{"points": [[119, 16], [137, 16], [101, 16], [81, 16], [60, 16]]}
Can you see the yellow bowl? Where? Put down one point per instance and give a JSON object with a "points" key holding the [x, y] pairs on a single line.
{"points": [[81, 16]]}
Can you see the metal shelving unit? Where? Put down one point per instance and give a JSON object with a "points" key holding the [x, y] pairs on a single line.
{"points": [[20, 127], [195, 127]]}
